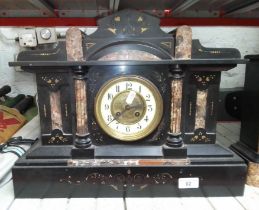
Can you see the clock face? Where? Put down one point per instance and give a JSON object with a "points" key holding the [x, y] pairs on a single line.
{"points": [[128, 108]]}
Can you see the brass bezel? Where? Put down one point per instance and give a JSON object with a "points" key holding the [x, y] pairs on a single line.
{"points": [[143, 133]]}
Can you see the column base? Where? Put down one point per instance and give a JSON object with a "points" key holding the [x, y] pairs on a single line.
{"points": [[83, 153], [174, 146], [179, 152], [83, 141], [174, 140]]}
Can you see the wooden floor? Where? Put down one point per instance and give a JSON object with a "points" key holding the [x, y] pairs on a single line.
{"points": [[228, 133]]}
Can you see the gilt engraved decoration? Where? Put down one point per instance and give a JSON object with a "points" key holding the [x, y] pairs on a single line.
{"points": [[204, 80], [120, 181], [57, 137], [52, 81], [131, 25], [200, 136]]}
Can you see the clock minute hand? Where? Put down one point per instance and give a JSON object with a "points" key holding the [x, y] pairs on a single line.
{"points": [[130, 97]]}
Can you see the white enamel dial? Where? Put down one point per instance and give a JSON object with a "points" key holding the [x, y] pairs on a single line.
{"points": [[128, 108]]}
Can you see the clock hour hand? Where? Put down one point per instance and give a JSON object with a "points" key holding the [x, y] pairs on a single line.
{"points": [[127, 108]]}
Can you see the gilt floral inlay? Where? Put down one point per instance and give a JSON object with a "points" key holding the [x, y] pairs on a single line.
{"points": [[200, 136], [57, 137], [52, 81], [204, 80], [120, 181]]}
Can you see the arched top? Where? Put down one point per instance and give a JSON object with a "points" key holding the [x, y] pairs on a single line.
{"points": [[130, 55], [127, 50]]}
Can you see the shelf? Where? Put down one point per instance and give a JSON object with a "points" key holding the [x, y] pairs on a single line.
{"points": [[129, 63]]}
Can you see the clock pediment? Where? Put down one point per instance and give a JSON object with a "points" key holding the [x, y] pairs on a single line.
{"points": [[129, 29], [129, 23]]}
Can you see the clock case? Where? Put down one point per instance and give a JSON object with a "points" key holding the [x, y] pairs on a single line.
{"points": [[67, 163], [248, 145]]}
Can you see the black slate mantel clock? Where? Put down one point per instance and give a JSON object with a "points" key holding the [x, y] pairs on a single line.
{"points": [[127, 110]]}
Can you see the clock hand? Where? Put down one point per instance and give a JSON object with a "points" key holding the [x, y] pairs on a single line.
{"points": [[130, 97], [127, 108]]}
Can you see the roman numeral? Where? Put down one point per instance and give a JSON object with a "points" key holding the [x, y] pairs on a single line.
{"points": [[110, 96], [117, 88]]}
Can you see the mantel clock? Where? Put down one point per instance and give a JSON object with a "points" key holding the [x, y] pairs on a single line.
{"points": [[128, 109]]}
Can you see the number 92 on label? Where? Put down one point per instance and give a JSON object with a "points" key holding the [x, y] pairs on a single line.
{"points": [[188, 183]]}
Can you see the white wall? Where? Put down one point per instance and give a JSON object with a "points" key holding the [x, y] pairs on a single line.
{"points": [[246, 39], [21, 82]]}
